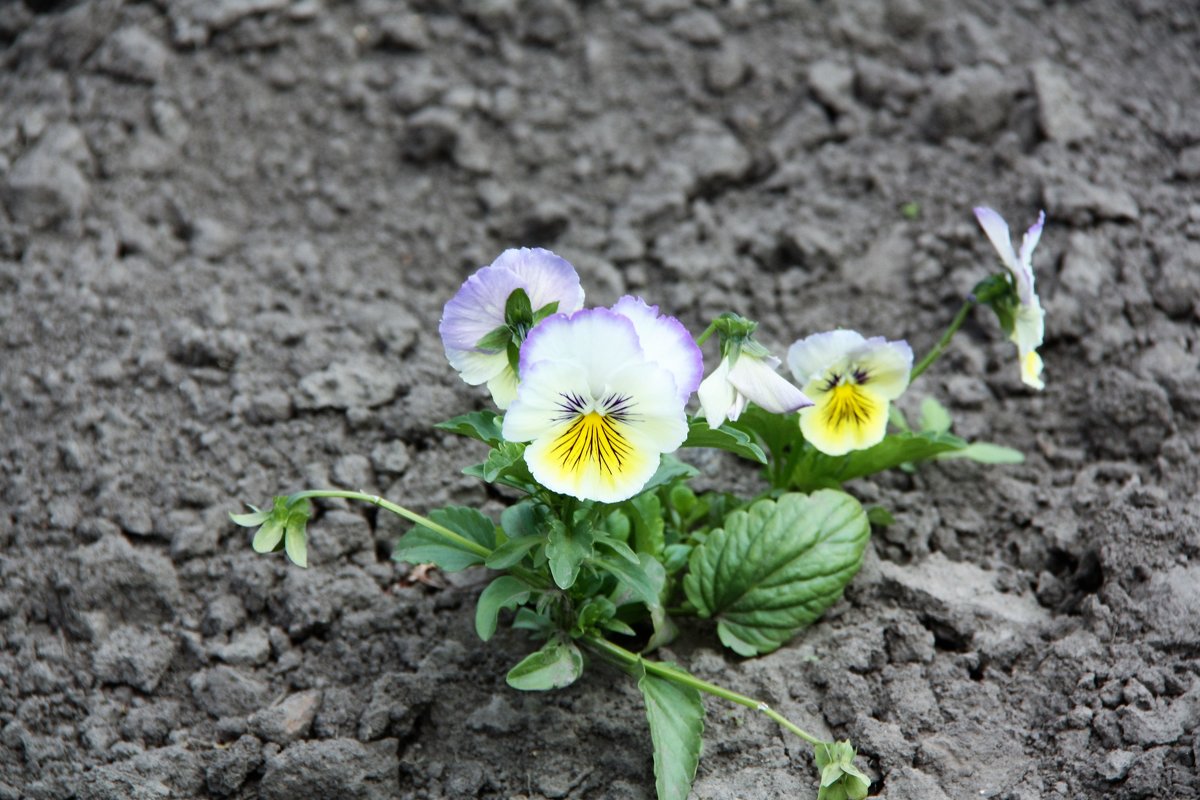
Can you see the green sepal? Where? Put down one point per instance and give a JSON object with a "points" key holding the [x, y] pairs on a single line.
{"points": [[295, 537], [421, 545], [504, 592], [676, 717], [496, 339], [545, 311], [251, 520], [776, 566], [557, 664], [517, 310], [284, 527], [725, 438], [269, 537], [483, 426], [840, 779]]}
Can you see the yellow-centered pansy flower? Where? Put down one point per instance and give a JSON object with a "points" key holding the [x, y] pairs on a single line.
{"points": [[851, 380], [602, 397]]}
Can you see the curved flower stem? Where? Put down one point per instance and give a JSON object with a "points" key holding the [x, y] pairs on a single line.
{"points": [[531, 578], [703, 337], [944, 342], [631, 659]]}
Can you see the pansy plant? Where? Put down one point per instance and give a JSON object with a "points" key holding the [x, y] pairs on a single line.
{"points": [[606, 539]]}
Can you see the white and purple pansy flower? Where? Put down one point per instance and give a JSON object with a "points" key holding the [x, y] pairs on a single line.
{"points": [[477, 310], [1029, 320], [602, 396], [851, 380]]}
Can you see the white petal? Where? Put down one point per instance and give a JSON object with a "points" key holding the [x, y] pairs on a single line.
{"points": [[1031, 370], [887, 365], [596, 339], [997, 232], [717, 396], [665, 341], [476, 367], [503, 388], [541, 395], [810, 358], [1025, 283], [763, 386]]}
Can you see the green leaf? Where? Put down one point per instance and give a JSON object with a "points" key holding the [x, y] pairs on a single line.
{"points": [[775, 567], [596, 611], [421, 545], [616, 546], [511, 552], [817, 470], [496, 339], [504, 592], [648, 524], [557, 664], [934, 416], [634, 578], [517, 309], [880, 517], [724, 438], [505, 464], [676, 717], [669, 469], [481, 425], [567, 547], [987, 453]]}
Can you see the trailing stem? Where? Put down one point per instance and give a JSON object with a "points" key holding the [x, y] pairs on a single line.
{"points": [[944, 342], [630, 659]]}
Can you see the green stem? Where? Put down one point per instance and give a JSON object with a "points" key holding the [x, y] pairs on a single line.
{"points": [[631, 659], [703, 337], [533, 579], [944, 342]]}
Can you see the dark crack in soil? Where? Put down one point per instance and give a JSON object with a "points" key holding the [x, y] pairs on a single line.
{"points": [[227, 229]]}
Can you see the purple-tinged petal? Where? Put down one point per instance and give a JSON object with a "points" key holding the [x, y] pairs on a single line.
{"points": [[477, 308], [757, 380], [997, 232], [545, 277], [666, 342]]}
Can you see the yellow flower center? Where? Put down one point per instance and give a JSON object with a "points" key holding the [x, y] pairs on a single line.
{"points": [[848, 404], [592, 438]]}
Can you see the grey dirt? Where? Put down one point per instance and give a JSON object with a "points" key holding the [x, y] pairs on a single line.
{"points": [[227, 229]]}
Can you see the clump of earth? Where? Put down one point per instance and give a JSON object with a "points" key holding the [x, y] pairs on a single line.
{"points": [[227, 230]]}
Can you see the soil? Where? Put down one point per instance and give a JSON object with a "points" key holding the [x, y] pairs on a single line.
{"points": [[227, 230]]}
